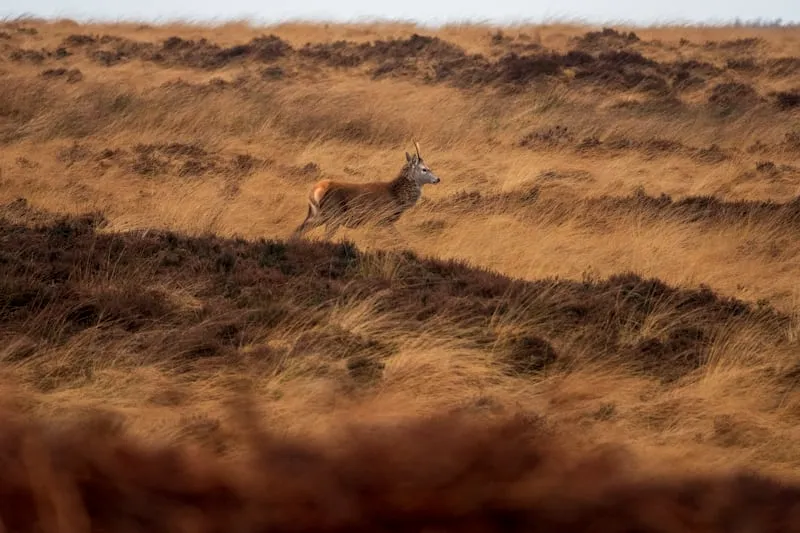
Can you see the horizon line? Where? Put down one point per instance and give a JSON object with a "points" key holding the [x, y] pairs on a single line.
{"points": [[508, 22]]}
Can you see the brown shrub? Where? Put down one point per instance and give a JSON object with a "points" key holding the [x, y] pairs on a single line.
{"points": [[682, 348], [451, 472], [551, 136], [527, 354], [739, 45], [75, 153], [606, 38], [364, 370], [177, 158], [522, 69], [745, 64], [560, 136], [73, 75], [28, 56], [78, 40], [784, 66], [624, 69], [728, 97], [110, 50], [706, 209], [337, 342], [205, 54], [613, 65], [787, 99], [712, 154], [791, 140], [128, 307], [348, 54]]}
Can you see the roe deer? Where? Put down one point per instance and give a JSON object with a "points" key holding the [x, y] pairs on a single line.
{"points": [[340, 203]]}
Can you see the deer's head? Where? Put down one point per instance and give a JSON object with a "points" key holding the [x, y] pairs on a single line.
{"points": [[419, 172]]}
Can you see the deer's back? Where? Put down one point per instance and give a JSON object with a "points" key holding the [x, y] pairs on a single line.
{"points": [[355, 201]]}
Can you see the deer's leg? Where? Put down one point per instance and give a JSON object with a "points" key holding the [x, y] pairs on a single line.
{"points": [[309, 221]]}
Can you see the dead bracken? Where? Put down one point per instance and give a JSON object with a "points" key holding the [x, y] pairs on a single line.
{"points": [[446, 471]]}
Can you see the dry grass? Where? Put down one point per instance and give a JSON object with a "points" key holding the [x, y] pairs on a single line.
{"points": [[613, 247]]}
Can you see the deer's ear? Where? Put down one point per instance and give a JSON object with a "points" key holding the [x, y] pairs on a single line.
{"points": [[408, 157]]}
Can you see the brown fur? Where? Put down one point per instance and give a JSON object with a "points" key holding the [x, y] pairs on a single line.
{"points": [[348, 204]]}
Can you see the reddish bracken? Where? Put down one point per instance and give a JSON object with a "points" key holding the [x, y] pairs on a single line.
{"points": [[447, 473]]}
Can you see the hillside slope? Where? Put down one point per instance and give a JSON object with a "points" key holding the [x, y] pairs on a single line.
{"points": [[600, 296], [213, 316], [188, 325]]}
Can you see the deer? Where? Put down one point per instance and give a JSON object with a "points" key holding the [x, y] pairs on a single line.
{"points": [[340, 203]]}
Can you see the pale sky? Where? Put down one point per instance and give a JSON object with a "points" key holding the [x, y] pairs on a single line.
{"points": [[422, 11]]}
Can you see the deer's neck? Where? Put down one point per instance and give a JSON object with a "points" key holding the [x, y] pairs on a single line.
{"points": [[404, 190]]}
